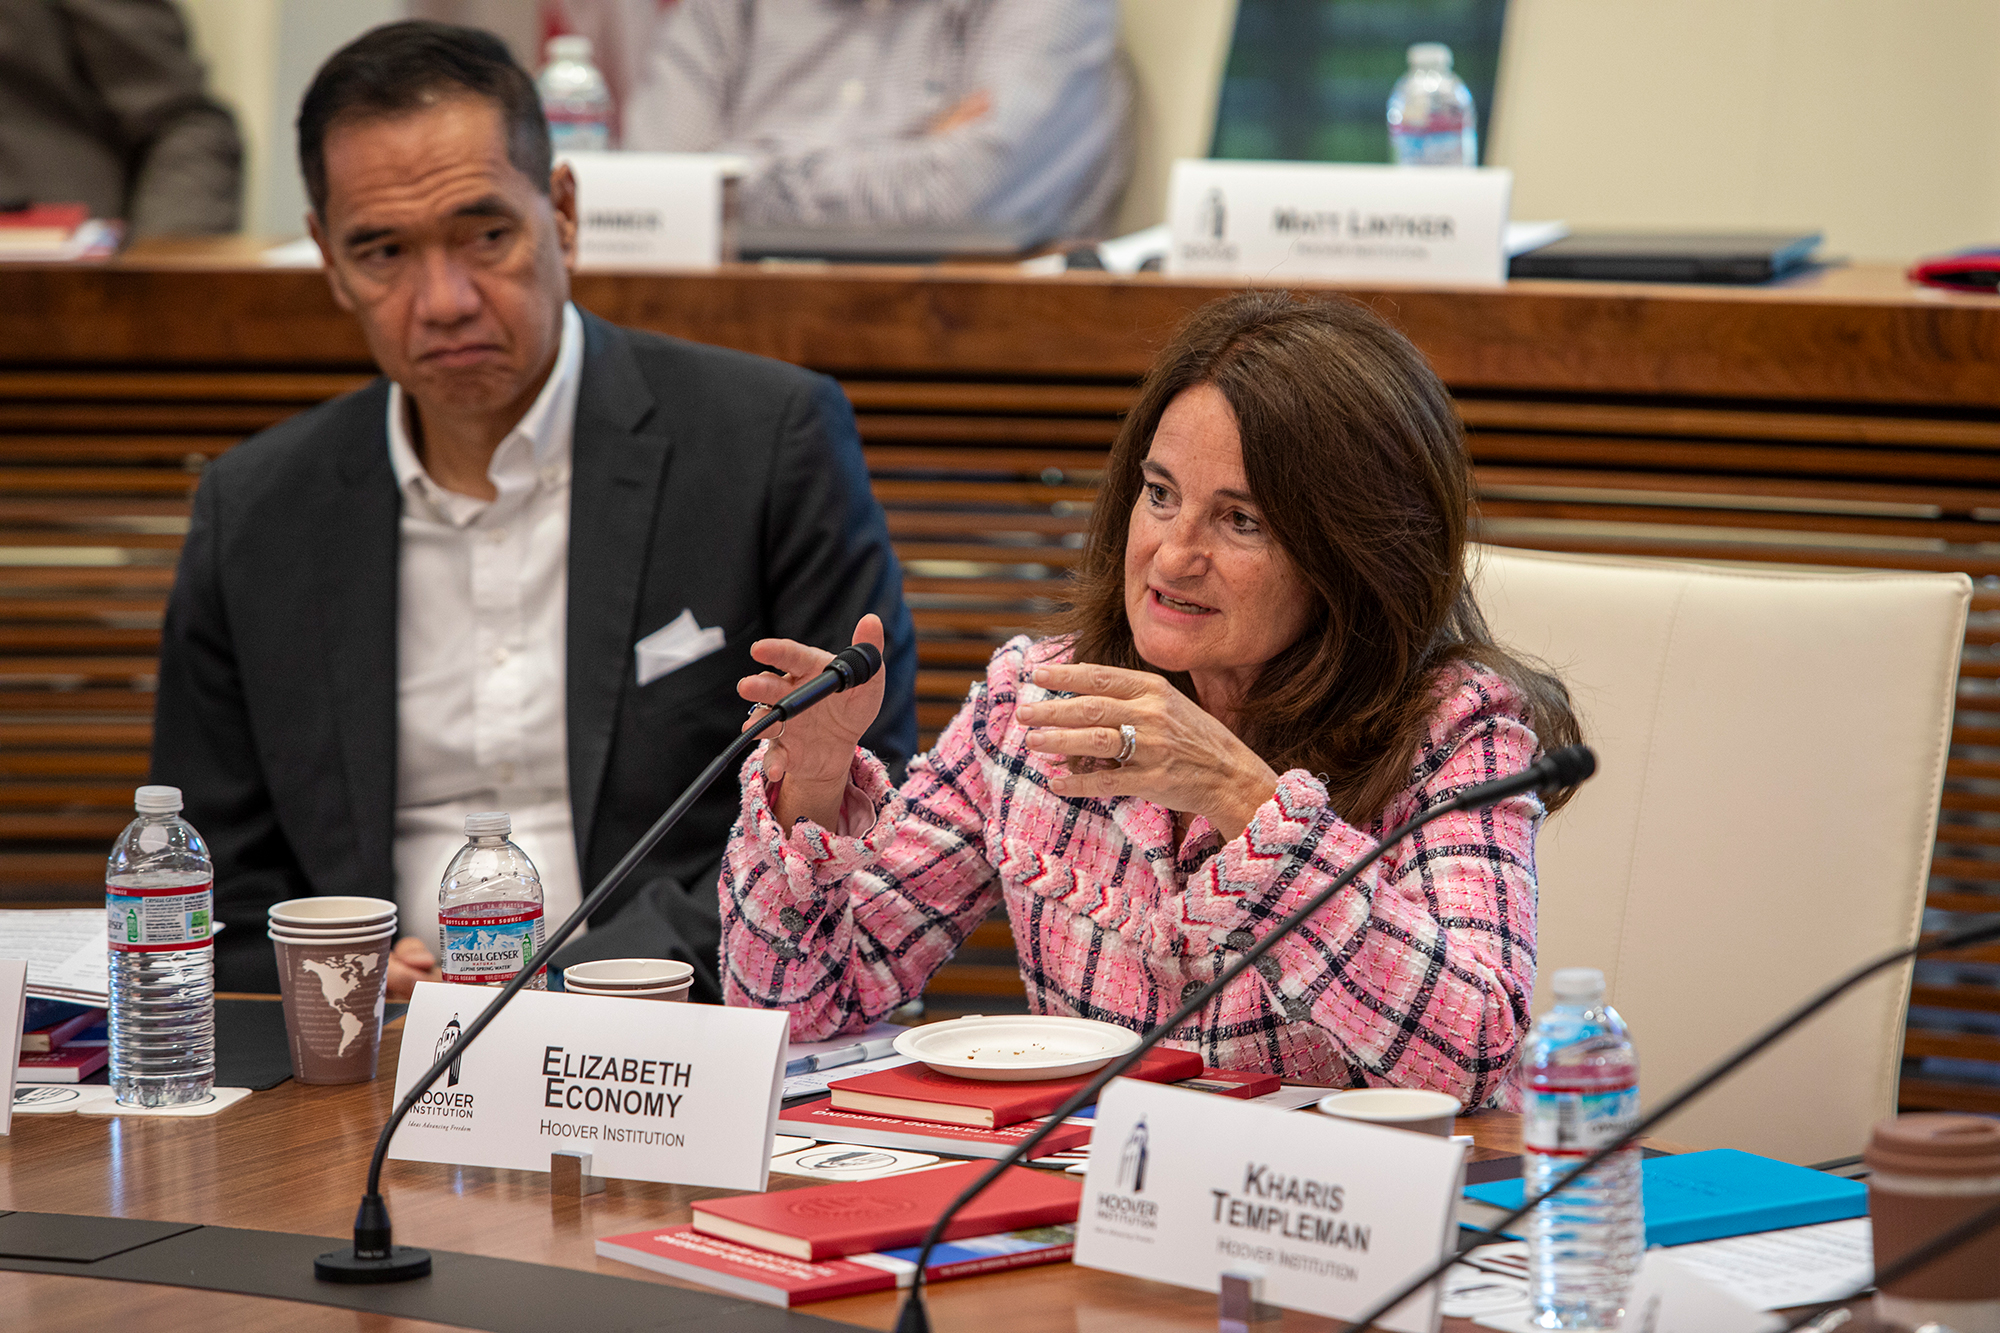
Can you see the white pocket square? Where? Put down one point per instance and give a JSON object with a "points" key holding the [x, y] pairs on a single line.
{"points": [[674, 645]]}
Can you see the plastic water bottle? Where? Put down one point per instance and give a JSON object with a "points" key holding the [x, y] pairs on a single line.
{"points": [[490, 907], [575, 98], [158, 906], [1432, 122], [1581, 1092]]}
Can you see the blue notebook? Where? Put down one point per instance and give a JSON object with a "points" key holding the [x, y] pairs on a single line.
{"points": [[1708, 1195]]}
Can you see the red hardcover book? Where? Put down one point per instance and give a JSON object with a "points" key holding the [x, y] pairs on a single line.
{"points": [[820, 1120], [918, 1092], [1243, 1083], [52, 1036], [42, 224], [823, 1222], [72, 1064], [778, 1279]]}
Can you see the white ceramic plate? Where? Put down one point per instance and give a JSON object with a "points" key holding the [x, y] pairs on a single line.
{"points": [[1017, 1048]]}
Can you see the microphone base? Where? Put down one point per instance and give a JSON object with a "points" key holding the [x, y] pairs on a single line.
{"points": [[404, 1263]]}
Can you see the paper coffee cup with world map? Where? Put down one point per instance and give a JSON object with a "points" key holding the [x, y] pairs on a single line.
{"points": [[334, 993]]}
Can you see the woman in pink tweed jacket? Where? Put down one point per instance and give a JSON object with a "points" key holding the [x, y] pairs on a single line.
{"points": [[1272, 658]]}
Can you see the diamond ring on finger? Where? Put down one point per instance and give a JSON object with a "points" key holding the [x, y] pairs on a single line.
{"points": [[755, 708], [1128, 735]]}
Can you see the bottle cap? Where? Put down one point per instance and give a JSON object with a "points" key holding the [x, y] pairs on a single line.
{"points": [[157, 800], [1423, 55], [578, 48], [1578, 985], [487, 823]]}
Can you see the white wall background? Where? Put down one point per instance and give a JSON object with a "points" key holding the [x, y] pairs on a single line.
{"points": [[1875, 120]]}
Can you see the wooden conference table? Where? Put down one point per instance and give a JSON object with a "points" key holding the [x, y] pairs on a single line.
{"points": [[294, 1158]]}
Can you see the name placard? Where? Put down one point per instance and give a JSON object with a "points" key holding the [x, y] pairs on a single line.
{"points": [[645, 211], [1317, 220], [1334, 1215], [13, 999], [686, 1094]]}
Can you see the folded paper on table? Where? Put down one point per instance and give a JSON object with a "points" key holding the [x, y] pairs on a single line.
{"points": [[64, 951], [817, 1081]]}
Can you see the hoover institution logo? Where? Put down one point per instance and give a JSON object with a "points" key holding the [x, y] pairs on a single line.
{"points": [[1211, 225], [445, 1040], [1123, 1208], [1132, 1162], [441, 1104], [1214, 221]]}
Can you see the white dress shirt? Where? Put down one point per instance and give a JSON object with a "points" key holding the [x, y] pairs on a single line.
{"points": [[483, 593]]}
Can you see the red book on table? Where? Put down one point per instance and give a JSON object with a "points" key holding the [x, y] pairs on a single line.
{"points": [[64, 218], [918, 1092], [821, 1120], [833, 1221], [40, 226], [65, 1021], [779, 1279], [1240, 1083], [71, 1064]]}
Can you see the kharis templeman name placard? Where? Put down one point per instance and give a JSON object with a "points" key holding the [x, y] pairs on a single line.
{"points": [[1184, 1187], [686, 1094]]}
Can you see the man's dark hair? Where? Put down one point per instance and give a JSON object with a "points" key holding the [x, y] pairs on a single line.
{"points": [[399, 67]]}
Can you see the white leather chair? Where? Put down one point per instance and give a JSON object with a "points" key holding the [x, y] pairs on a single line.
{"points": [[1178, 49], [1771, 746]]}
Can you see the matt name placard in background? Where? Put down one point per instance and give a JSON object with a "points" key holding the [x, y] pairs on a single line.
{"points": [[1332, 1214], [681, 1093], [1289, 220]]}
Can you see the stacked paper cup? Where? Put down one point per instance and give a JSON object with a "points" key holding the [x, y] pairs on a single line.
{"points": [[333, 968], [630, 978]]}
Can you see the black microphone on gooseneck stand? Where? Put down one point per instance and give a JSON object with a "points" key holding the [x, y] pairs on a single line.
{"points": [[1566, 767], [375, 1257]]}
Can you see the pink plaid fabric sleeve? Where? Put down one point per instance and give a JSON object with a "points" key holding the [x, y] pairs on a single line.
{"points": [[1416, 975], [841, 929]]}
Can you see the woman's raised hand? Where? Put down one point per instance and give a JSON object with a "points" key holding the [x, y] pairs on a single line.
{"points": [[811, 754], [1181, 758]]}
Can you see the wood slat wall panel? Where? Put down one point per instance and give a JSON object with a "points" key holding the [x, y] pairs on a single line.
{"points": [[97, 470], [293, 390], [1884, 429], [65, 699], [1807, 493], [178, 418]]}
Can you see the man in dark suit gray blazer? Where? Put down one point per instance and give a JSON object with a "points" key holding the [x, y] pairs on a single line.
{"points": [[699, 480]]}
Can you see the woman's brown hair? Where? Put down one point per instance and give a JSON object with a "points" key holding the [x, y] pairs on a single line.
{"points": [[1356, 458]]}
